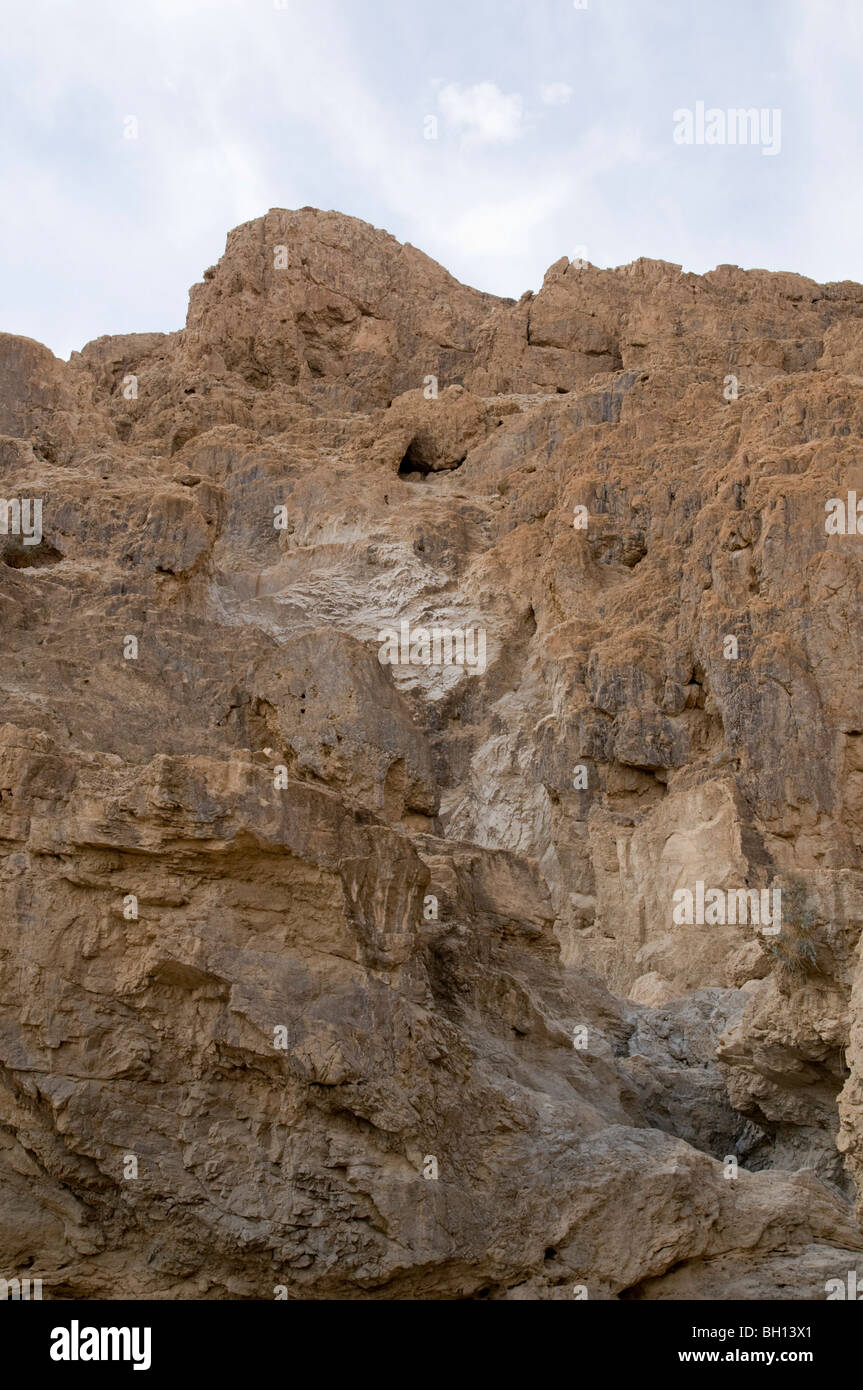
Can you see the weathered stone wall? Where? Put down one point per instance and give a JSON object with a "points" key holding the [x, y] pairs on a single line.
{"points": [[365, 979]]}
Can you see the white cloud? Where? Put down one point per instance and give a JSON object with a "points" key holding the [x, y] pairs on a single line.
{"points": [[482, 112], [555, 93]]}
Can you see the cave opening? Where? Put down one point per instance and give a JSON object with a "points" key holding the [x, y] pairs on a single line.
{"points": [[413, 464]]}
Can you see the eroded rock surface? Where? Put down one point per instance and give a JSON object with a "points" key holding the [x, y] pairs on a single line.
{"points": [[363, 979]]}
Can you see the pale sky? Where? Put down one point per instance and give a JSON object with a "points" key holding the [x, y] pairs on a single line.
{"points": [[555, 132]]}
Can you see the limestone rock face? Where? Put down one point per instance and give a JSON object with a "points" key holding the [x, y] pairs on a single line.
{"points": [[413, 702], [319, 298]]}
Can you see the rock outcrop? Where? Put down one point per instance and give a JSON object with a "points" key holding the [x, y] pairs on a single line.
{"points": [[384, 663]]}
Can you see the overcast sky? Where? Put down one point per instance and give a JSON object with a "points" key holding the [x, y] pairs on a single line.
{"points": [[555, 132]]}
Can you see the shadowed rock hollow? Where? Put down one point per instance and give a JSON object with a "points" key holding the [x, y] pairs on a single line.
{"points": [[370, 972]]}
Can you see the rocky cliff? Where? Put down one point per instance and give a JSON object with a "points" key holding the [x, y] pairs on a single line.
{"points": [[384, 663]]}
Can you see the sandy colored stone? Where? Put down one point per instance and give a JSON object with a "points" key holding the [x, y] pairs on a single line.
{"points": [[401, 1010]]}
